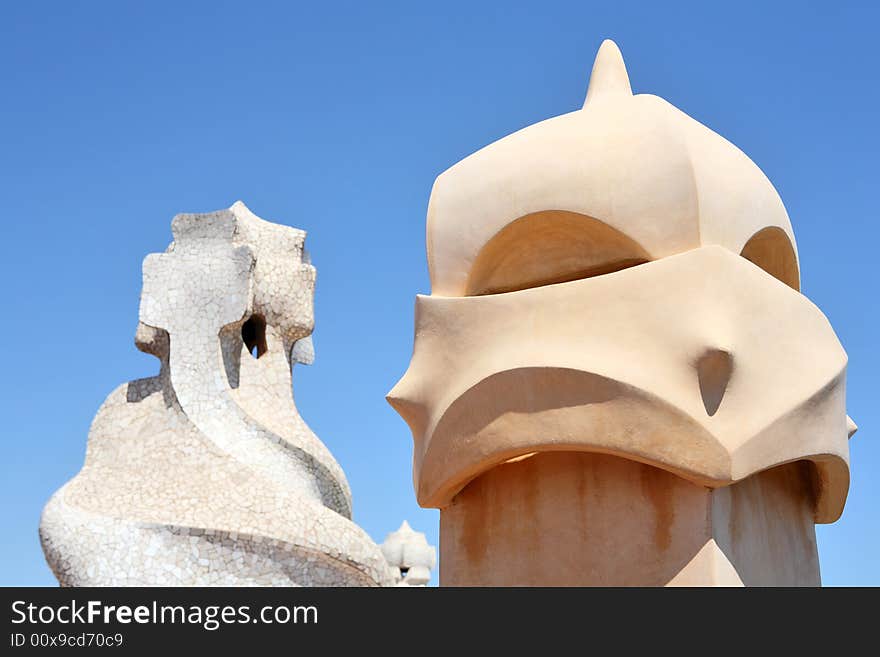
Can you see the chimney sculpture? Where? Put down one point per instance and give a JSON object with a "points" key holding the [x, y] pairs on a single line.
{"points": [[616, 379], [410, 556], [206, 474]]}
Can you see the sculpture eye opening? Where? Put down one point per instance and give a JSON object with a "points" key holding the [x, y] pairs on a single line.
{"points": [[253, 333], [771, 250], [554, 246]]}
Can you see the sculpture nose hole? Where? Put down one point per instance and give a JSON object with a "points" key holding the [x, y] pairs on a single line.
{"points": [[713, 370]]}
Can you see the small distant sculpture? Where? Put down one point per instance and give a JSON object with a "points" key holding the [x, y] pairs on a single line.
{"points": [[206, 474], [408, 553], [616, 379]]}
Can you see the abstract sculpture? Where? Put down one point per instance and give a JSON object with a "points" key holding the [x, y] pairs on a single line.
{"points": [[206, 474], [409, 554], [615, 379]]}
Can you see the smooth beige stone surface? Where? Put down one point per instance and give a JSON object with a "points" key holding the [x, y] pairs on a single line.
{"points": [[623, 364], [576, 519], [615, 294], [634, 163]]}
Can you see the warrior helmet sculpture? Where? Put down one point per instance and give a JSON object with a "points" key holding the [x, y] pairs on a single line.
{"points": [[616, 378]]}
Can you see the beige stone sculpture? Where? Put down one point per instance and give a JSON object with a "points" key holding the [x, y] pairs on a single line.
{"points": [[206, 474], [616, 379]]}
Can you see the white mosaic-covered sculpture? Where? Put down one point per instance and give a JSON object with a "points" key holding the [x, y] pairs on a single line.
{"points": [[206, 474], [408, 553]]}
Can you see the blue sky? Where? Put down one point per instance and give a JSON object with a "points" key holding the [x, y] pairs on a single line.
{"points": [[336, 118]]}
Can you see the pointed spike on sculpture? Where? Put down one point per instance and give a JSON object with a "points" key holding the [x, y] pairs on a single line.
{"points": [[412, 412], [609, 76], [851, 427], [401, 398], [396, 398]]}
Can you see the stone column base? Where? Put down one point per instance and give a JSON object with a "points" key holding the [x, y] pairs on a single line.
{"points": [[582, 519]]}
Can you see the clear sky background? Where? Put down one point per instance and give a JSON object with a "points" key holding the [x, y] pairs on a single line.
{"points": [[336, 118]]}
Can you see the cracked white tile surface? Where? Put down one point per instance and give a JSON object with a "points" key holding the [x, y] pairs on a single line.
{"points": [[206, 474]]}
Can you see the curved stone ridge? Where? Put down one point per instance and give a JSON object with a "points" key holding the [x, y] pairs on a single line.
{"points": [[206, 474]]}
